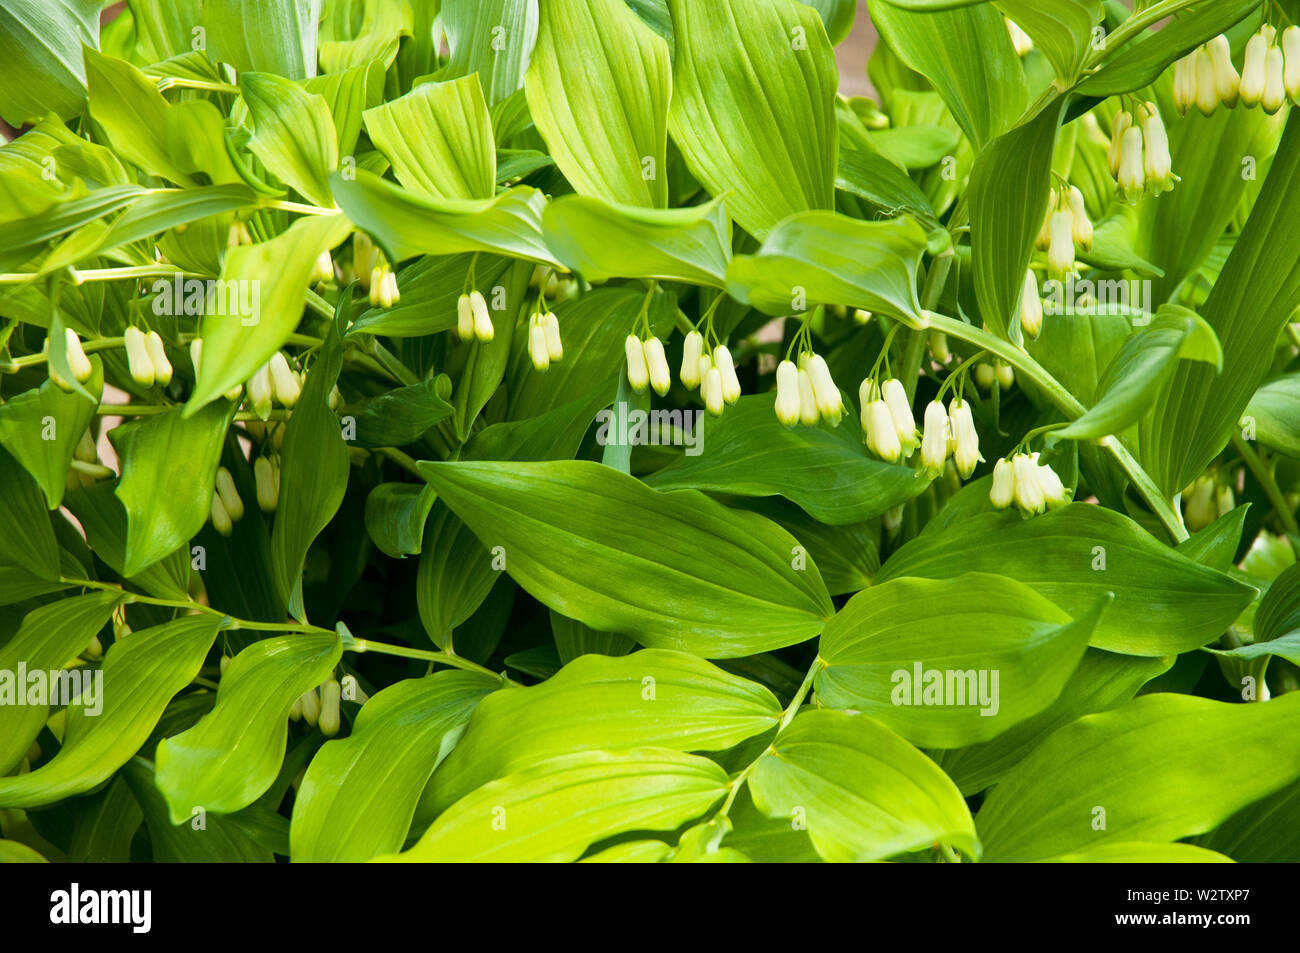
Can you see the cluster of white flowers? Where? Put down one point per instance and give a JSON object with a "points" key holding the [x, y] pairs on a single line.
{"points": [[806, 393], [319, 707], [146, 358], [1032, 486], [274, 382], [1065, 228], [473, 320], [266, 474], [227, 506], [372, 272], [1139, 154], [1270, 73], [713, 372], [544, 345], [1205, 501]]}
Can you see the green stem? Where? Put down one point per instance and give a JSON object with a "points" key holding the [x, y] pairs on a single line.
{"points": [[405, 461], [424, 655], [1265, 477], [100, 274], [1133, 26]]}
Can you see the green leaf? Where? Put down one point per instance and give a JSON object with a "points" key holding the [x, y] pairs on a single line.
{"points": [[164, 513], [383, 24], [1143, 364], [294, 134], [1279, 612], [864, 792], [953, 662], [1164, 602], [273, 276], [226, 761], [710, 580], [1062, 30], [753, 107], [359, 793], [1267, 831], [13, 852], [28, 540], [48, 638], [1216, 545], [164, 28], [395, 517], [493, 38], [553, 810], [104, 825], [269, 36], [127, 106], [829, 258], [1254, 297], [40, 45], [406, 225], [967, 54], [1139, 852], [456, 574], [872, 177], [1101, 682], [601, 241], [1275, 412], [837, 15], [104, 520], [399, 416], [1168, 766], [747, 452], [41, 428], [439, 139], [651, 697], [1009, 187], [573, 640], [140, 675]]}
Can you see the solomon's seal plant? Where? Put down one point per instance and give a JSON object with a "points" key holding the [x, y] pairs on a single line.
{"points": [[310, 310]]}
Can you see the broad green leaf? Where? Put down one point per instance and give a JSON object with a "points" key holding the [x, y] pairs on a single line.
{"points": [[1267, 831], [272, 277], [1216, 546], [1062, 29], [399, 416], [348, 95], [837, 15], [376, 38], [829, 258], [140, 675], [1275, 413], [574, 640], [1166, 767], [104, 825], [747, 452], [439, 139], [1008, 197], [104, 520], [1164, 602], [162, 512], [456, 574], [47, 640], [1279, 612], [598, 89], [14, 852], [226, 761], [127, 106], [165, 28], [406, 225], [493, 38], [313, 474], [23, 238], [395, 517], [601, 241], [219, 841], [872, 177], [577, 536], [864, 792], [40, 45], [1139, 852], [1102, 681], [651, 697], [196, 141], [967, 54], [167, 209], [41, 428], [848, 557], [293, 135], [1254, 297], [554, 810], [753, 107], [949, 663], [269, 36], [1143, 364], [360, 792], [632, 852]]}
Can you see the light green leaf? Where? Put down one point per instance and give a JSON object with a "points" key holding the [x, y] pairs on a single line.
{"points": [[829, 258], [360, 792], [493, 38], [864, 792], [41, 428], [553, 810], [709, 580], [127, 106], [1275, 411], [598, 89], [439, 139], [1139, 852], [1062, 30], [104, 520], [601, 241], [293, 135], [1164, 602], [226, 761], [1168, 766], [651, 697], [140, 675], [753, 107], [40, 45], [383, 24], [269, 36]]}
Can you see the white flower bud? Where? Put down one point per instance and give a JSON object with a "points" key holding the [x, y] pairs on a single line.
{"points": [[220, 518], [934, 443], [1060, 256], [1123, 122], [1031, 306], [894, 394], [1006, 376], [162, 368], [787, 393], [551, 327], [1054, 492], [638, 373], [1003, 490], [714, 401], [268, 495], [1224, 499], [1157, 164], [985, 376], [1226, 79], [809, 415], [939, 349], [1198, 504], [259, 391], [329, 720], [1291, 53], [1043, 240], [730, 382], [323, 268], [827, 395], [77, 360], [284, 382], [966, 439], [1029, 491], [137, 356], [1274, 97], [661, 378], [861, 316], [464, 318], [1254, 70], [364, 258], [295, 712], [692, 351], [1185, 82], [483, 329], [1020, 40], [1082, 224], [881, 433], [1204, 84], [229, 495], [1132, 173], [310, 707], [537, 349]]}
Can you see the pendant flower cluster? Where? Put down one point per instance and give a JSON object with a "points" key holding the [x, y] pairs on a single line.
{"points": [[1032, 486], [806, 393], [1139, 154], [1270, 73]]}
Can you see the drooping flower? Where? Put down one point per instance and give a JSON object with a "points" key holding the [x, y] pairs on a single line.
{"points": [[464, 318], [881, 432], [829, 403], [965, 438], [692, 351], [137, 356], [162, 368], [230, 498], [895, 397], [934, 441], [1031, 306], [285, 385], [483, 329], [787, 393], [638, 372], [661, 378], [538, 352], [1002, 493], [727, 368]]}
